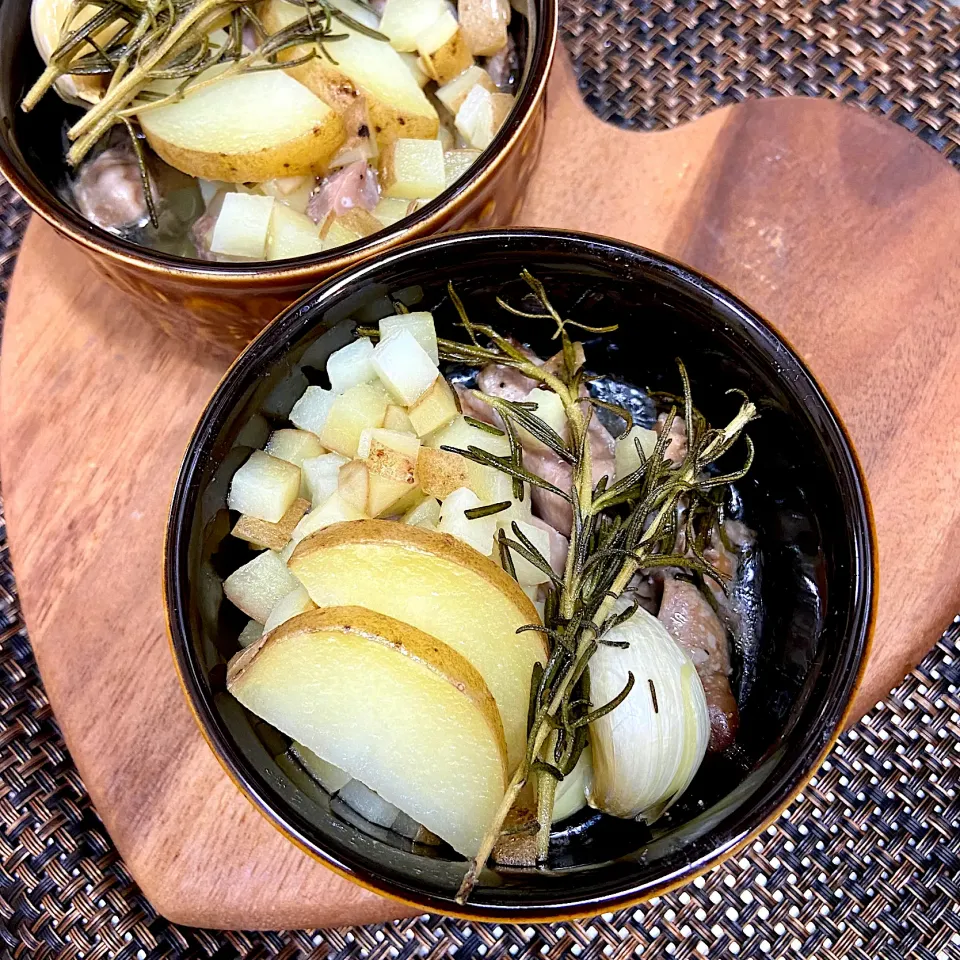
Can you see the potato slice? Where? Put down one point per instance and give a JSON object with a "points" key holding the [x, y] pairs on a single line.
{"points": [[294, 446], [413, 65], [259, 585], [245, 128], [353, 485], [311, 410], [329, 777], [412, 169], [334, 510], [404, 367], [425, 514], [397, 419], [420, 324], [447, 59], [453, 93], [364, 67], [435, 409], [292, 605], [319, 475], [353, 411], [441, 586], [242, 226], [404, 20], [391, 706], [291, 234], [484, 24], [351, 365], [625, 450], [528, 574], [264, 487], [478, 533], [271, 536], [457, 162]]}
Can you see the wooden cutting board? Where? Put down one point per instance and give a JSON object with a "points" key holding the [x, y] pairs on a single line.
{"points": [[838, 227]]}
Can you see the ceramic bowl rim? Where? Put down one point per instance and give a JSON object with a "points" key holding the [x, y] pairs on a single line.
{"points": [[289, 325]]}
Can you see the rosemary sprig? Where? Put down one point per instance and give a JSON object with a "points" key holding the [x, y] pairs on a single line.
{"points": [[617, 529]]}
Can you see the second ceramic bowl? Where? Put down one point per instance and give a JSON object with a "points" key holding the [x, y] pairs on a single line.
{"points": [[804, 497], [226, 304]]}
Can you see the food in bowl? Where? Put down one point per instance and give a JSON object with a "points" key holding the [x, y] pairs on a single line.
{"points": [[224, 131], [489, 595]]}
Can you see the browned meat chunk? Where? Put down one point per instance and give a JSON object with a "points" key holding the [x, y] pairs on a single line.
{"points": [[677, 448], [109, 191], [692, 623]]}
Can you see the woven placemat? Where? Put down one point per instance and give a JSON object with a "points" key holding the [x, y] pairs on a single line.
{"points": [[864, 866]]}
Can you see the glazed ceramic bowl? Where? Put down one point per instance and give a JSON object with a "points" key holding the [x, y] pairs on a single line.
{"points": [[226, 304], [804, 497]]}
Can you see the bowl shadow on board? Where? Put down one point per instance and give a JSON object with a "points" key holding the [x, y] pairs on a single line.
{"points": [[804, 497]]}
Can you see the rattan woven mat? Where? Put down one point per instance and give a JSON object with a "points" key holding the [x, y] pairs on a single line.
{"points": [[865, 865]]}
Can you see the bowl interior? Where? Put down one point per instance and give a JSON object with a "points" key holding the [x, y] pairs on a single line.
{"points": [[803, 497], [33, 145]]}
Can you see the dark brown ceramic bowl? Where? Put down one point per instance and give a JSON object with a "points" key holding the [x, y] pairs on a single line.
{"points": [[226, 304], [804, 497]]}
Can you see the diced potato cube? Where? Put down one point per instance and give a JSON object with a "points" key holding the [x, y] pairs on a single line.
{"points": [[484, 24], [477, 533], [390, 210], [251, 633], [403, 20], [457, 162], [458, 433], [452, 94], [271, 536], [393, 455], [338, 234], [625, 450], [550, 411], [425, 514], [404, 367], [528, 574], [242, 226], [353, 411], [386, 495], [292, 234], [413, 62], [435, 409], [334, 510], [360, 221], [481, 115], [257, 586], [264, 487], [320, 476], [295, 446], [433, 37], [448, 60], [447, 140], [411, 169], [311, 410], [351, 365], [292, 605], [406, 443], [440, 472], [354, 484], [286, 186], [420, 324], [398, 420], [489, 484]]}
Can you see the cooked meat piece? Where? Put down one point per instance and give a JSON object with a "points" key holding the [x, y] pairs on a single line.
{"points": [[352, 187], [677, 448], [692, 623], [504, 67], [727, 562], [109, 191]]}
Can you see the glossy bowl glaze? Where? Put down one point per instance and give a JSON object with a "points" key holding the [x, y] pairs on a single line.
{"points": [[227, 304], [804, 497]]}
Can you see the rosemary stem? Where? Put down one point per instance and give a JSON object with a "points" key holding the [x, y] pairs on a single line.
{"points": [[546, 793], [128, 87], [46, 80]]}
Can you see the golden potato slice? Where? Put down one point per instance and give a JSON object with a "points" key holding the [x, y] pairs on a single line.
{"points": [[364, 67], [246, 128], [389, 705], [449, 60]]}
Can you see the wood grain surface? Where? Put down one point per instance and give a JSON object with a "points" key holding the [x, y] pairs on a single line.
{"points": [[837, 226]]}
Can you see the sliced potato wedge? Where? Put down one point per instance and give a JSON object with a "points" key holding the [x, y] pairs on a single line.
{"points": [[439, 585], [389, 705], [246, 128]]}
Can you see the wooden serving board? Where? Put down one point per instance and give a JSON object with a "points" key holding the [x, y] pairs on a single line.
{"points": [[838, 227]]}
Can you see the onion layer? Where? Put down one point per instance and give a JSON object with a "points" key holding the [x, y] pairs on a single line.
{"points": [[647, 750]]}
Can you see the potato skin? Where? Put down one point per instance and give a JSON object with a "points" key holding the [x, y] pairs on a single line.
{"points": [[306, 156]]}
